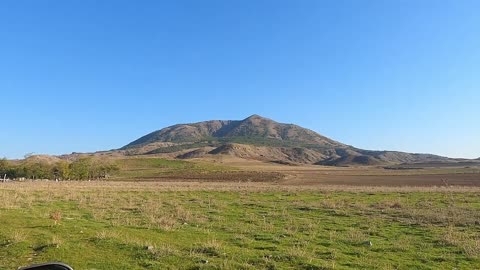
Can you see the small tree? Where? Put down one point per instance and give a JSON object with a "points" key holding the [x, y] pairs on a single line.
{"points": [[4, 167], [80, 168], [101, 169], [35, 169], [62, 170]]}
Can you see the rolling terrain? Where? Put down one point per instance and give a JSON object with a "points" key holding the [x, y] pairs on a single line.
{"points": [[259, 138], [255, 149], [250, 194]]}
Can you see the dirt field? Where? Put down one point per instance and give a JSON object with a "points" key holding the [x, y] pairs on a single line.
{"points": [[388, 180], [359, 176]]}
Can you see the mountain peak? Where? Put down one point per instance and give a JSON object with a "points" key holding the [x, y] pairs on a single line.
{"points": [[253, 129], [256, 117]]}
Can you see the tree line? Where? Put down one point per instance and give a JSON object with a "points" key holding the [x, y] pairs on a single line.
{"points": [[84, 168]]}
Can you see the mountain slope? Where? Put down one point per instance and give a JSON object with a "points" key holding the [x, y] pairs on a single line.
{"points": [[261, 138], [255, 128]]}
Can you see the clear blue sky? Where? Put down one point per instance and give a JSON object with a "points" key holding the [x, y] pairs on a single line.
{"points": [[86, 75]]}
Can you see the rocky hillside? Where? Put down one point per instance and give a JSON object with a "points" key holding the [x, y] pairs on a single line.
{"points": [[254, 130], [261, 138]]}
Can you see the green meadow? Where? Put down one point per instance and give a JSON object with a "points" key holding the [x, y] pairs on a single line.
{"points": [[134, 226], [150, 168]]}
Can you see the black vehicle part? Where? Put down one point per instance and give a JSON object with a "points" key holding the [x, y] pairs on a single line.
{"points": [[47, 266]]}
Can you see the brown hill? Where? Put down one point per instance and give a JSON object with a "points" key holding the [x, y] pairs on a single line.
{"points": [[286, 155], [263, 139], [255, 128]]}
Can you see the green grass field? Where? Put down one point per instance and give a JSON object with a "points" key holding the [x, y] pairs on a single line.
{"points": [[133, 226], [145, 169], [138, 168]]}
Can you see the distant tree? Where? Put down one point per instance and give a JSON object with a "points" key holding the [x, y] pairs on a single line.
{"points": [[61, 170], [105, 169], [15, 172], [101, 168], [4, 168], [38, 170], [80, 168]]}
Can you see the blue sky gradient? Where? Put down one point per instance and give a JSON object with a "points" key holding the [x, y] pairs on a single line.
{"points": [[87, 75]]}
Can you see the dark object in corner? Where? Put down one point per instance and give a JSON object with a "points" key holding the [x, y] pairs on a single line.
{"points": [[47, 266]]}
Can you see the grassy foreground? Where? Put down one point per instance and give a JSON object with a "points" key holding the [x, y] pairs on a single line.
{"points": [[145, 226]]}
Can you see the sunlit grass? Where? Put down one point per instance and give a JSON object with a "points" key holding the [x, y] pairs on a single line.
{"points": [[110, 226], [145, 168]]}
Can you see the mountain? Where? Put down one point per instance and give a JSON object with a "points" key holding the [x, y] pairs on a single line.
{"points": [[255, 128], [260, 138]]}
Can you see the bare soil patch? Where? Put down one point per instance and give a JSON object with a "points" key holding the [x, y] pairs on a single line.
{"points": [[388, 180]]}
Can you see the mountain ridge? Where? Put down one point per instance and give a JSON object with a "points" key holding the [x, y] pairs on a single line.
{"points": [[253, 126], [260, 138]]}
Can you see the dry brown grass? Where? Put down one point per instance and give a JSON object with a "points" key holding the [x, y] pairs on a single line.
{"points": [[468, 242], [56, 216], [72, 188], [18, 236]]}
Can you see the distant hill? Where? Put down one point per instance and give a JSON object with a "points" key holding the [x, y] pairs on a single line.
{"points": [[260, 138], [252, 130]]}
